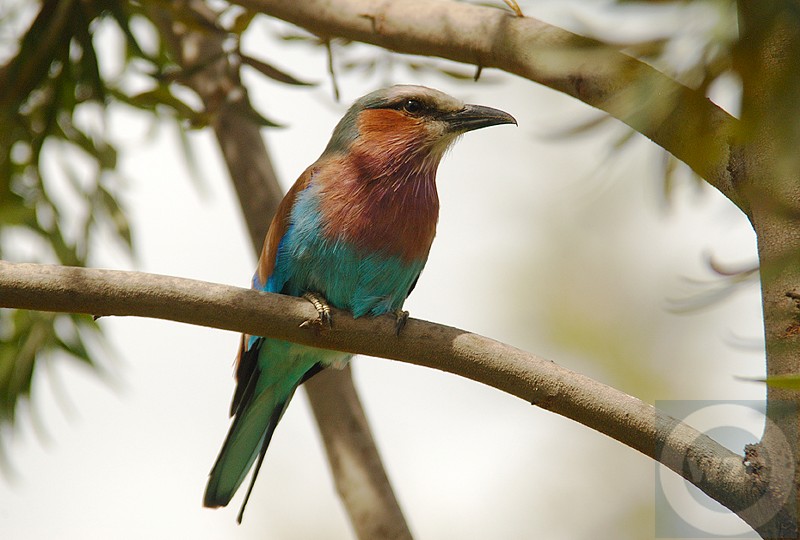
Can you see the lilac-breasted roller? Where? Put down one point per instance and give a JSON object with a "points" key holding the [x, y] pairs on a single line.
{"points": [[353, 232]]}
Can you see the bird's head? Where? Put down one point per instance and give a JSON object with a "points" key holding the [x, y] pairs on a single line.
{"points": [[405, 122]]}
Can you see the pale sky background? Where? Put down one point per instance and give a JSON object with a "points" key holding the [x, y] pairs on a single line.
{"points": [[557, 245]]}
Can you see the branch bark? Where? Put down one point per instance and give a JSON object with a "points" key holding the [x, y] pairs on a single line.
{"points": [[767, 60], [693, 129], [717, 471], [353, 456], [359, 473]]}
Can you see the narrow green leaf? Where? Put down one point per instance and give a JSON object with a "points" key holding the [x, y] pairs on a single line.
{"points": [[160, 96], [272, 72], [117, 216], [90, 70], [306, 38], [789, 382], [123, 20], [190, 158], [244, 109]]}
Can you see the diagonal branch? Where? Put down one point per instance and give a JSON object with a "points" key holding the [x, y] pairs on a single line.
{"points": [[693, 129], [714, 469]]}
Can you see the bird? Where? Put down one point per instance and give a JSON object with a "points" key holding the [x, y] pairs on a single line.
{"points": [[353, 232]]}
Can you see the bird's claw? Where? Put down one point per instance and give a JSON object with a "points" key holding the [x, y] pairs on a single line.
{"points": [[323, 318], [401, 318]]}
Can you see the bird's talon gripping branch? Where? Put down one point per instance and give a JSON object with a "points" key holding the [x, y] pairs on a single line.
{"points": [[401, 318], [323, 311]]}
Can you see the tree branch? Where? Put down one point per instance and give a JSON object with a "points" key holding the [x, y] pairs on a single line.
{"points": [[694, 129], [352, 454], [714, 469], [346, 436], [766, 59]]}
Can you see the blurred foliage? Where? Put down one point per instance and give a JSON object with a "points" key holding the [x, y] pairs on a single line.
{"points": [[29, 334], [54, 92], [45, 87]]}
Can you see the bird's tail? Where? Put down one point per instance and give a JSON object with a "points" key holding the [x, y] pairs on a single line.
{"points": [[247, 440], [259, 404]]}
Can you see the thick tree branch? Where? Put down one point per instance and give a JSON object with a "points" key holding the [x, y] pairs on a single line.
{"points": [[714, 469], [767, 60], [693, 129]]}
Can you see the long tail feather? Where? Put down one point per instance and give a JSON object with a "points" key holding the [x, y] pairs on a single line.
{"points": [[273, 423], [250, 433], [259, 408]]}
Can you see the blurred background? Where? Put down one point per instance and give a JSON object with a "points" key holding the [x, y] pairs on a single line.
{"points": [[588, 247]]}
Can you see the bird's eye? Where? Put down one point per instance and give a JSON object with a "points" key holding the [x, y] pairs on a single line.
{"points": [[413, 106]]}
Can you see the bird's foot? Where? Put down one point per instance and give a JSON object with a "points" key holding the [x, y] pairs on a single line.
{"points": [[401, 318], [323, 318]]}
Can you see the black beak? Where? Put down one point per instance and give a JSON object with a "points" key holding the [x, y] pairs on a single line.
{"points": [[476, 117]]}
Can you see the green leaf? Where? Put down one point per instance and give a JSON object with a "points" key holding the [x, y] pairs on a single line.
{"points": [[31, 333], [161, 96], [123, 20], [117, 216], [789, 382], [190, 158], [310, 39], [89, 74], [272, 72], [244, 109]]}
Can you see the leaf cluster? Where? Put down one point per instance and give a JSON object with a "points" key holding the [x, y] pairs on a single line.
{"points": [[48, 89], [55, 90]]}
